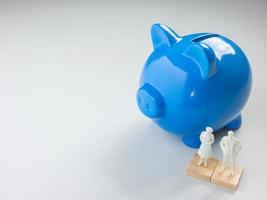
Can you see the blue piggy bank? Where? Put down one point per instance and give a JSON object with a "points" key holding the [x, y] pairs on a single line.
{"points": [[194, 81]]}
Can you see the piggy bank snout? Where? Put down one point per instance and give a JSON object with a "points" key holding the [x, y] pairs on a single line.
{"points": [[150, 101]]}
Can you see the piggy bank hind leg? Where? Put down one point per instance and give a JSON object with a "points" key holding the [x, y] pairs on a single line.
{"points": [[192, 141], [235, 124]]}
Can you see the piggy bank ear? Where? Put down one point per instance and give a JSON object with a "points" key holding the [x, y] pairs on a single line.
{"points": [[204, 57], [162, 35]]}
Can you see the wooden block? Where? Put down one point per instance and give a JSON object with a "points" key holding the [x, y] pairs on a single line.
{"points": [[201, 172], [225, 178]]}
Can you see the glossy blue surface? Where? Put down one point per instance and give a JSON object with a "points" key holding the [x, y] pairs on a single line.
{"points": [[194, 81]]}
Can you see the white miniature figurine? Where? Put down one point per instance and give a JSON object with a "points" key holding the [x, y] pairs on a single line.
{"points": [[230, 147], [204, 152]]}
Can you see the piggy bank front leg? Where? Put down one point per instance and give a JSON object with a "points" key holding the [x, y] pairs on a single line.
{"points": [[235, 124], [192, 141]]}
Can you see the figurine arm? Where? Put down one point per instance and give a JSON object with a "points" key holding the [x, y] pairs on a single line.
{"points": [[211, 139], [222, 145], [201, 137], [237, 147]]}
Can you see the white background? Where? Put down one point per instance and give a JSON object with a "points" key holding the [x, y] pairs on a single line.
{"points": [[69, 124]]}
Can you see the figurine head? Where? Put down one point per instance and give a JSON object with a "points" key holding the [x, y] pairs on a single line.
{"points": [[209, 129], [231, 133]]}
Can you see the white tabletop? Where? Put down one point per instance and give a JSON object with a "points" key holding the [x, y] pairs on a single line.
{"points": [[69, 124]]}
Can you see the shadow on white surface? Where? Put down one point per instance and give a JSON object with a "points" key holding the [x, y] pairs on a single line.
{"points": [[152, 164]]}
